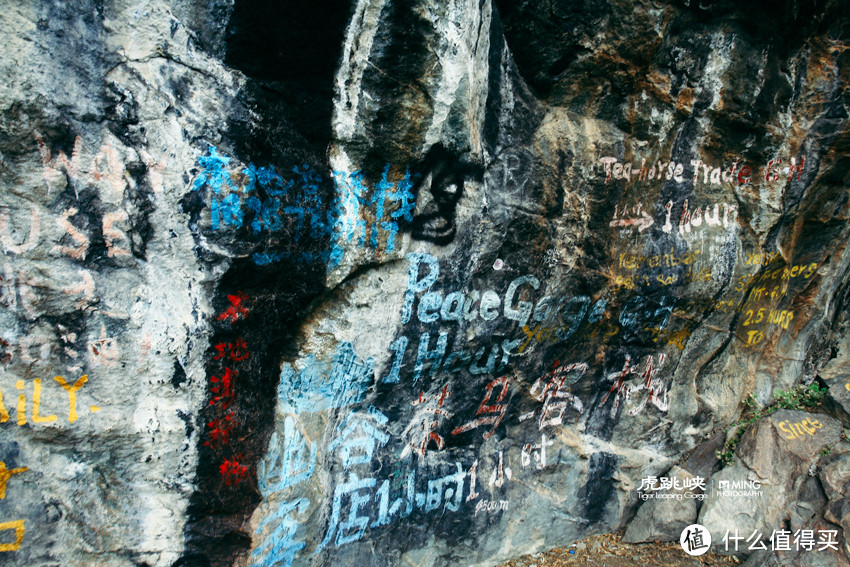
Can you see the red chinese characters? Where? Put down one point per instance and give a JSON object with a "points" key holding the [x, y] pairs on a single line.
{"points": [[236, 351], [229, 357], [427, 418], [237, 309], [223, 388], [233, 472], [491, 413]]}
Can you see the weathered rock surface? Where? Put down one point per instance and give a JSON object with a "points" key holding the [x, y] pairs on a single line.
{"points": [[664, 519], [774, 461], [419, 282], [836, 376]]}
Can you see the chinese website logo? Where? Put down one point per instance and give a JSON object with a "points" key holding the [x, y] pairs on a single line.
{"points": [[695, 539]]}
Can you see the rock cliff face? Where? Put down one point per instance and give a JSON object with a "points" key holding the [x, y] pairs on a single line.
{"points": [[360, 282]]}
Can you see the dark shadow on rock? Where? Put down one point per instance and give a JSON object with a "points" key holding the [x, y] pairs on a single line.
{"points": [[289, 51]]}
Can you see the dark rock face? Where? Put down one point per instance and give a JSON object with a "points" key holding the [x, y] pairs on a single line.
{"points": [[377, 283]]}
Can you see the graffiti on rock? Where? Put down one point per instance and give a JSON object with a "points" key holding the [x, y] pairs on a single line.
{"points": [[262, 201]]}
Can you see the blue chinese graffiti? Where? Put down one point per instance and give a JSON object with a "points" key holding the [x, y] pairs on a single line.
{"points": [[261, 199], [322, 384]]}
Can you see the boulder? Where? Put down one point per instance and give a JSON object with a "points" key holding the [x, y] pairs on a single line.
{"points": [[836, 375], [663, 519], [774, 461]]}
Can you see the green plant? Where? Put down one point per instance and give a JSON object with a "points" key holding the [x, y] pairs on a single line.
{"points": [[727, 457], [803, 396], [799, 398], [826, 450]]}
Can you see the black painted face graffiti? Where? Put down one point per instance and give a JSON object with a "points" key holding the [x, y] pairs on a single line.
{"points": [[443, 176]]}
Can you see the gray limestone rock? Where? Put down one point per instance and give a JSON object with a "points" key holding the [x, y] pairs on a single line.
{"points": [[664, 519], [836, 375], [359, 282], [773, 462]]}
